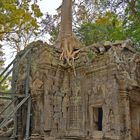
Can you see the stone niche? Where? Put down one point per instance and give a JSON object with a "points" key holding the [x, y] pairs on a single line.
{"points": [[97, 98]]}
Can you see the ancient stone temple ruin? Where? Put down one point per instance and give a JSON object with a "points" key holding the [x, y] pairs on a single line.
{"points": [[97, 98], [92, 93]]}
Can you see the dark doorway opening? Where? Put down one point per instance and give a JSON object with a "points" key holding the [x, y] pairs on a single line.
{"points": [[100, 118], [97, 118]]}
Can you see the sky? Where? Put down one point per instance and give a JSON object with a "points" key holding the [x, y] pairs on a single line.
{"points": [[49, 6]]}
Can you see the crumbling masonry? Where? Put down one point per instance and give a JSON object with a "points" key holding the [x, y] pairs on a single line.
{"points": [[100, 102]]}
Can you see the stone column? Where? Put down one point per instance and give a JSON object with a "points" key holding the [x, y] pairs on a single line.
{"points": [[37, 93], [125, 121], [125, 110], [36, 122]]}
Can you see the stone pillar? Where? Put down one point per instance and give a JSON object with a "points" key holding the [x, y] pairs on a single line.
{"points": [[37, 93], [37, 118], [48, 111], [75, 116], [125, 121], [35, 122], [125, 110]]}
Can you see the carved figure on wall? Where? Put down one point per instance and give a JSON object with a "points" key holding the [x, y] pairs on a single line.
{"points": [[65, 112], [75, 109], [111, 119], [37, 99], [57, 116]]}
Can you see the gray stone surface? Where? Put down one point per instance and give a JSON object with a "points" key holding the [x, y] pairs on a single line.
{"points": [[4, 138], [66, 106]]}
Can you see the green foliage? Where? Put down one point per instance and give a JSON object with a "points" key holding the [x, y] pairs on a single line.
{"points": [[1, 57], [54, 33], [16, 16], [91, 55], [4, 86], [101, 20], [107, 27], [131, 23]]}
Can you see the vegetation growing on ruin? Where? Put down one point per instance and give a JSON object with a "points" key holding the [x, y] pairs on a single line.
{"points": [[93, 21]]}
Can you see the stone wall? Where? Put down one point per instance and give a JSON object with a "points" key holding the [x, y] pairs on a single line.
{"points": [[97, 98]]}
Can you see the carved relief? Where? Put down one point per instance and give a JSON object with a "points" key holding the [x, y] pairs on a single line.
{"points": [[111, 119], [95, 104]]}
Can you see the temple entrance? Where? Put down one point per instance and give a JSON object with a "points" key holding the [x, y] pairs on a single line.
{"points": [[96, 118]]}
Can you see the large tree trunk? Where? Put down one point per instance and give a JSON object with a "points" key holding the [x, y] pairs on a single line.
{"points": [[66, 19], [66, 39]]}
